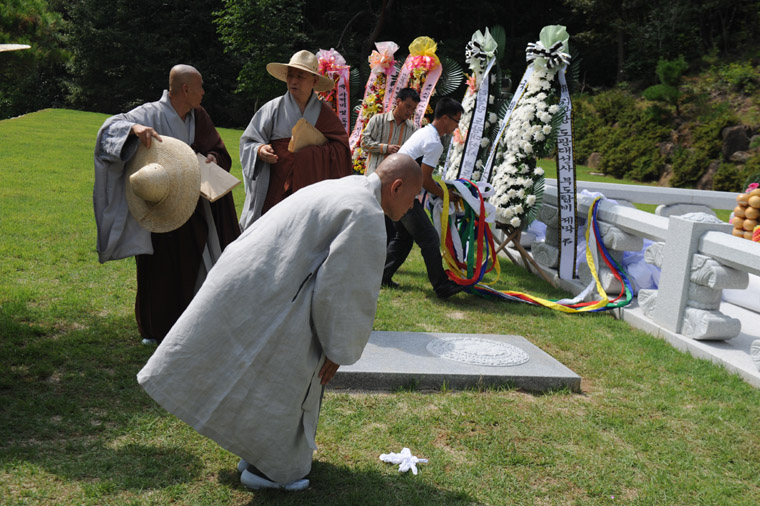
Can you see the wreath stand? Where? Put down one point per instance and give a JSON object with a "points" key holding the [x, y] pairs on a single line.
{"points": [[513, 236]]}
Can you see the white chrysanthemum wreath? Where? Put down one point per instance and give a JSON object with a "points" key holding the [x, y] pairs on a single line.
{"points": [[531, 134]]}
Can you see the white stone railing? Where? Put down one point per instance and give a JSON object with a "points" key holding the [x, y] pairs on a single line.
{"points": [[698, 259]]}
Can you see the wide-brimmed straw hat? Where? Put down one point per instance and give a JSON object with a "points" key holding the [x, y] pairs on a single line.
{"points": [[163, 184], [302, 60]]}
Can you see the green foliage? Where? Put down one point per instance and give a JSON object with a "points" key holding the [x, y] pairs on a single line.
{"points": [[586, 125], [631, 151], [662, 93], [122, 51], [30, 79], [689, 164], [612, 124], [740, 76], [752, 167], [260, 32], [728, 178], [452, 77], [670, 73]]}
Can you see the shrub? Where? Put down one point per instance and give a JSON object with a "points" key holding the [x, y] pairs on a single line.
{"points": [[690, 164], [586, 125], [629, 146], [728, 178], [741, 77], [670, 73]]}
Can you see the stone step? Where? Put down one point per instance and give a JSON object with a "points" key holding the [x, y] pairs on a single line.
{"points": [[424, 361]]}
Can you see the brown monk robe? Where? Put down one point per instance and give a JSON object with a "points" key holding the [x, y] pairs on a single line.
{"points": [[285, 178], [166, 280]]}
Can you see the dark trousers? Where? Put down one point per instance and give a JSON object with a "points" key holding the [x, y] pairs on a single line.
{"points": [[415, 226]]}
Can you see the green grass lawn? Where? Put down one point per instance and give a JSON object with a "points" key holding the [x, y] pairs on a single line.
{"points": [[651, 426]]}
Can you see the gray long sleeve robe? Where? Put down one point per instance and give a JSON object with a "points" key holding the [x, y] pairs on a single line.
{"points": [[274, 120], [240, 365], [119, 234]]}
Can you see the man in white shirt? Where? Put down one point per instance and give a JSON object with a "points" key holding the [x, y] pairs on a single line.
{"points": [[425, 146]]}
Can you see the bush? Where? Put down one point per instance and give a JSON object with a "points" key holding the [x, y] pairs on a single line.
{"points": [[625, 135], [629, 151], [670, 73], [728, 178], [586, 125], [741, 77], [690, 164]]}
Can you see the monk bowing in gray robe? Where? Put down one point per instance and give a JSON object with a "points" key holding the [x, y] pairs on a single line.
{"points": [[286, 303], [172, 265]]}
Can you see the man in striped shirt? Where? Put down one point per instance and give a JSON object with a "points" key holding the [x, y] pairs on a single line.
{"points": [[385, 133]]}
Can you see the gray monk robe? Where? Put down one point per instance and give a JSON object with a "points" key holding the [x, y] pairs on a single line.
{"points": [[170, 266], [240, 365], [265, 184]]}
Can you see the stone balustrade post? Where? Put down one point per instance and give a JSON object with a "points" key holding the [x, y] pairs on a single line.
{"points": [[688, 298]]}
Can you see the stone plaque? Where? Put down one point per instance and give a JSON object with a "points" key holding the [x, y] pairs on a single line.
{"points": [[477, 351]]}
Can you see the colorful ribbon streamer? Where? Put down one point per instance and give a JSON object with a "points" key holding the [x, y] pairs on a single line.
{"points": [[479, 258]]}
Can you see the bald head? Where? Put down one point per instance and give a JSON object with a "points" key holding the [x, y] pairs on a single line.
{"points": [[185, 89], [181, 74], [401, 179]]}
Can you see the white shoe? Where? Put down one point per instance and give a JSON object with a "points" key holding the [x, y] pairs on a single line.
{"points": [[152, 342], [242, 465], [256, 482]]}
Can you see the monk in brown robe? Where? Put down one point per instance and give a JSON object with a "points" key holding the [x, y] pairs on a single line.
{"points": [[171, 266], [270, 171]]}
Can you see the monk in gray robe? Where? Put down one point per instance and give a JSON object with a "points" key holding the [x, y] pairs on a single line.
{"points": [[170, 266], [270, 171], [290, 300]]}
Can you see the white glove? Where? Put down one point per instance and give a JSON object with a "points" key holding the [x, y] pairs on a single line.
{"points": [[405, 460]]}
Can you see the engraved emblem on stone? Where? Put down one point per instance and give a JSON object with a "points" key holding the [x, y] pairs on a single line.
{"points": [[477, 351]]}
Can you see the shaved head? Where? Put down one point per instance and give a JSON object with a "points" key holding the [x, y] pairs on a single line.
{"points": [[398, 166], [179, 75], [401, 179]]}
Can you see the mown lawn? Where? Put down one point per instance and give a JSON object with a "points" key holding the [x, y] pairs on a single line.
{"points": [[651, 426]]}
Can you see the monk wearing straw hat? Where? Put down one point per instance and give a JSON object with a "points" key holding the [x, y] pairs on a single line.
{"points": [[272, 171]]}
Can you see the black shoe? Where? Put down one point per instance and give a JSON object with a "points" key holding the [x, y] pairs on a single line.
{"points": [[389, 283], [448, 289]]}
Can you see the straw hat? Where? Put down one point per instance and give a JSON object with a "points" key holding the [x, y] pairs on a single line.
{"points": [[302, 60], [163, 184]]}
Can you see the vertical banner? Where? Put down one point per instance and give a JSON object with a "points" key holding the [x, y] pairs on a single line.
{"points": [[475, 132], [342, 88], [377, 89], [566, 195], [332, 65], [421, 71], [425, 93]]}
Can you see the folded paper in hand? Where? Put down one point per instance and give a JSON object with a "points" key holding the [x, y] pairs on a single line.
{"points": [[215, 181], [303, 135]]}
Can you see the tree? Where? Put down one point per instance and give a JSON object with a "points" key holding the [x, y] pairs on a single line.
{"points": [[123, 50], [31, 79], [259, 32], [670, 73]]}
